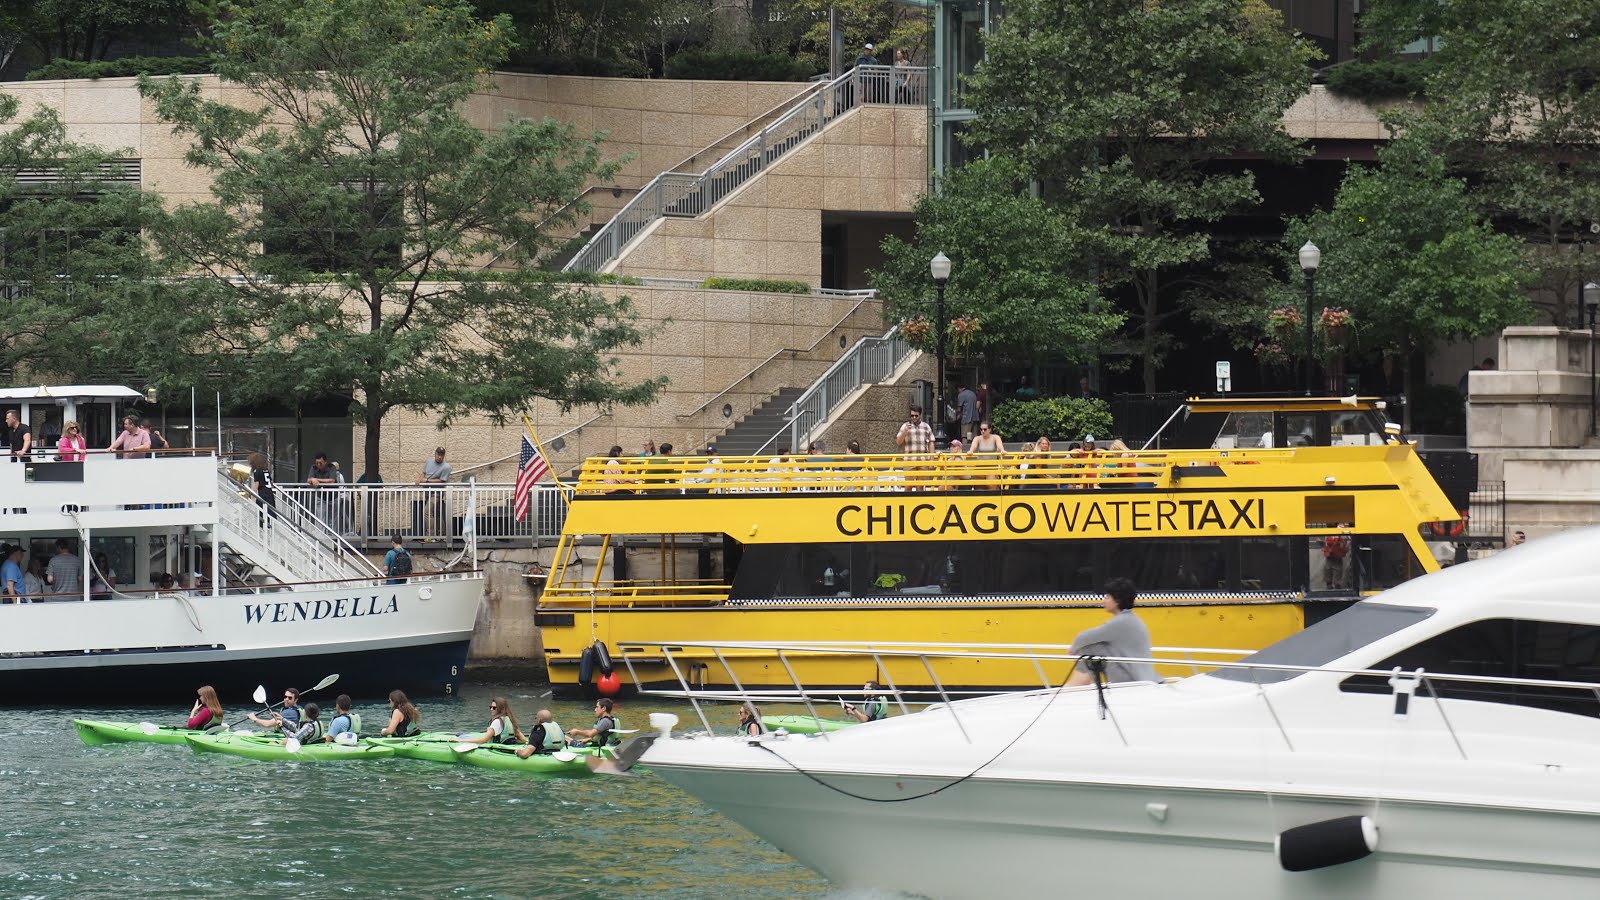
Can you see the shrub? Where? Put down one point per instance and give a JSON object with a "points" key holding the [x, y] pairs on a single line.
{"points": [[1379, 80], [738, 65], [763, 285], [122, 68], [1058, 418]]}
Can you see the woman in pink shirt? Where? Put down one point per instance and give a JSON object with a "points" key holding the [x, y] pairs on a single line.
{"points": [[71, 446], [207, 710]]}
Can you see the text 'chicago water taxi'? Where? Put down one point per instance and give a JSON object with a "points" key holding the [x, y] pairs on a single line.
{"points": [[1234, 546]]}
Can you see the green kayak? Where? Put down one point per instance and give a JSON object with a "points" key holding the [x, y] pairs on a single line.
{"points": [[572, 764], [266, 747], [430, 746], [804, 724], [95, 732]]}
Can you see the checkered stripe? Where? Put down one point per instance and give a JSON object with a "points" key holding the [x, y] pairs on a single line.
{"points": [[1024, 600]]}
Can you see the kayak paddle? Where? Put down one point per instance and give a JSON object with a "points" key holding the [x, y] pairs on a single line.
{"points": [[260, 695]]}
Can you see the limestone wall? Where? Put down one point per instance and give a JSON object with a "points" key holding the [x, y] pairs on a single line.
{"points": [[874, 159]]}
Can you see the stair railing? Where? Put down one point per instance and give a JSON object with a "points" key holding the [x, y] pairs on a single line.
{"points": [[870, 361], [687, 195], [291, 538]]}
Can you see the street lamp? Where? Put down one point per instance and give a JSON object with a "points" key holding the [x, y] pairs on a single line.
{"points": [[1589, 299], [940, 267], [1310, 258]]}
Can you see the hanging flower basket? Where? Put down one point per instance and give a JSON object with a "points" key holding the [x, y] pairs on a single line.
{"points": [[916, 331], [963, 331], [1283, 324]]}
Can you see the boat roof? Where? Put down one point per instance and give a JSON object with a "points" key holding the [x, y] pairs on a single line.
{"points": [[71, 392], [1282, 404]]}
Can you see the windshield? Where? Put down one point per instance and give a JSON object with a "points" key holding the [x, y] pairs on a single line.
{"points": [[1328, 640]]}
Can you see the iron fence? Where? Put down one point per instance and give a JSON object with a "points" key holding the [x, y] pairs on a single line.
{"points": [[367, 515]]}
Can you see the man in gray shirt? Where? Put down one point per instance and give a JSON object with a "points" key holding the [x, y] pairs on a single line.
{"points": [[65, 572], [435, 472], [1125, 635]]}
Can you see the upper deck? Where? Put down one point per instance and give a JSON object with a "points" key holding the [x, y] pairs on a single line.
{"points": [[1162, 493], [174, 487]]}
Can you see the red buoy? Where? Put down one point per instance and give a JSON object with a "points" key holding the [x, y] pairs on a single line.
{"points": [[608, 684]]}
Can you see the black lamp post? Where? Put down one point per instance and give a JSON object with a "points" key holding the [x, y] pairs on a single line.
{"points": [[1589, 299], [940, 267], [1310, 258]]}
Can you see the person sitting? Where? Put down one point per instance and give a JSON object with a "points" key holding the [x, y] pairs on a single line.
{"points": [[545, 737], [311, 729], [873, 708], [750, 720], [503, 727], [206, 714], [344, 721], [286, 720], [604, 730], [404, 720]]}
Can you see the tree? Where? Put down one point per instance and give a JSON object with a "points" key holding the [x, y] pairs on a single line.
{"points": [[86, 29], [1022, 271], [70, 248], [1404, 250], [1514, 104], [361, 209], [1121, 108], [887, 24]]}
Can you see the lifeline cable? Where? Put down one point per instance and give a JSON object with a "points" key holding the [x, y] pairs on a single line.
{"points": [[990, 761]]}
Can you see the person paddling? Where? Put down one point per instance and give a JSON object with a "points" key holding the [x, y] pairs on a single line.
{"points": [[311, 729], [873, 707], [286, 720], [546, 736], [404, 719], [207, 710], [750, 720], [503, 727], [603, 732], [344, 721]]}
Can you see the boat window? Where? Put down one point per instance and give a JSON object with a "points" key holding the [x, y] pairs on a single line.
{"points": [[1504, 648], [1328, 640], [1384, 561], [1264, 564]]}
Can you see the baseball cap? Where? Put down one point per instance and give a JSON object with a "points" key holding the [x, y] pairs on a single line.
{"points": [[870, 47], [439, 451], [1088, 439]]}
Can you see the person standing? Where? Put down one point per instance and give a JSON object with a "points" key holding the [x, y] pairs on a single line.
{"points": [[1335, 556], [1125, 636], [435, 474], [261, 481], [915, 436], [902, 78], [11, 583], [321, 475], [21, 441], [133, 442], [967, 403], [65, 572], [397, 562], [33, 580], [71, 447]]}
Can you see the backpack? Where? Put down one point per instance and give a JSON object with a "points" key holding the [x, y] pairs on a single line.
{"points": [[401, 564]]}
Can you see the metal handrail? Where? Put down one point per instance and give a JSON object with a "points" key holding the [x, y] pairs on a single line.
{"points": [[692, 194], [510, 456], [840, 382]]}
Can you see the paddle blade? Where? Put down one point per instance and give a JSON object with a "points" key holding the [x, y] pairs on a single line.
{"points": [[292, 745], [564, 756], [149, 727], [463, 747], [260, 696], [326, 681]]}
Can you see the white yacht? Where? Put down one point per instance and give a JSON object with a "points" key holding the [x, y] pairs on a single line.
{"points": [[279, 598], [1439, 740]]}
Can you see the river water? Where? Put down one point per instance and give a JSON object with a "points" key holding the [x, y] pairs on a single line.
{"points": [[145, 820]]}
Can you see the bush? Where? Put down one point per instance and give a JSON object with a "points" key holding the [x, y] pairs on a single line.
{"points": [[122, 68], [762, 285], [738, 65], [1058, 418], [1438, 409], [1381, 80]]}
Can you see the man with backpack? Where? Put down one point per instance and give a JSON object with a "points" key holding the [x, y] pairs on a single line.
{"points": [[397, 562]]}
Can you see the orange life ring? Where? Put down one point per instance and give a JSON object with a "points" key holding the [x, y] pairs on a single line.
{"points": [[1453, 529]]}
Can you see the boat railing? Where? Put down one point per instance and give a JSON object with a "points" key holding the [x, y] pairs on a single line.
{"points": [[202, 593], [663, 476], [367, 515], [684, 591], [1407, 686]]}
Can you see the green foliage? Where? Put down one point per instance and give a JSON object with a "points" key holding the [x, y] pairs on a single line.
{"points": [[739, 65], [1019, 267], [360, 163], [1122, 107], [1058, 418], [1372, 80], [87, 29], [122, 67], [764, 285], [888, 24], [72, 254], [1437, 409]]}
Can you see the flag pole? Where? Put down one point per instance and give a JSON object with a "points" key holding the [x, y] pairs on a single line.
{"points": [[540, 447]]}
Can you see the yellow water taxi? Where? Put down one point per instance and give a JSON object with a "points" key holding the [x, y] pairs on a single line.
{"points": [[1292, 510]]}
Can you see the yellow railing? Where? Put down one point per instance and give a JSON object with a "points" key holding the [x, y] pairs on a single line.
{"points": [[625, 593], [801, 474]]}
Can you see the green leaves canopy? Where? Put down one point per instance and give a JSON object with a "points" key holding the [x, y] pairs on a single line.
{"points": [[1019, 266]]}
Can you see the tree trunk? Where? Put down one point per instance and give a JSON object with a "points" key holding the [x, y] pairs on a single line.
{"points": [[1149, 335], [370, 446]]}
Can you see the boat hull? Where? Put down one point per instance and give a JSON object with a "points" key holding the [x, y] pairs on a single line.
{"points": [[271, 749], [1106, 840], [95, 732], [505, 759], [436, 747]]}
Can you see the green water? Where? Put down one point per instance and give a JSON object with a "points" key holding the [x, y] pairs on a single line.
{"points": [[140, 820]]}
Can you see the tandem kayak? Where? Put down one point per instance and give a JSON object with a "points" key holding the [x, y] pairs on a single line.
{"points": [[573, 763], [266, 747], [804, 724], [430, 746], [95, 732]]}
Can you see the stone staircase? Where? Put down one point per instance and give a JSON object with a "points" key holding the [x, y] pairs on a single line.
{"points": [[755, 432]]}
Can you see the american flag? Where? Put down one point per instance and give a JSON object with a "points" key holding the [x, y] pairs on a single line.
{"points": [[531, 468]]}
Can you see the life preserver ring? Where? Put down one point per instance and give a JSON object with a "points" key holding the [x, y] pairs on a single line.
{"points": [[1453, 529]]}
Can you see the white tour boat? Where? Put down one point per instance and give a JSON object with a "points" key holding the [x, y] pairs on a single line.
{"points": [[280, 598], [1439, 740]]}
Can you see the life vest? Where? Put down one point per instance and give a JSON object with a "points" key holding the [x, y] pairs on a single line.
{"points": [[508, 731], [553, 738], [291, 719], [876, 708], [311, 732], [608, 734], [352, 722]]}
